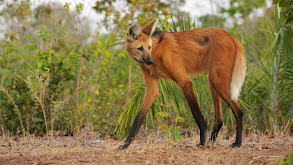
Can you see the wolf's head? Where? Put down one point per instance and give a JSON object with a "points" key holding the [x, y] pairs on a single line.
{"points": [[139, 42]]}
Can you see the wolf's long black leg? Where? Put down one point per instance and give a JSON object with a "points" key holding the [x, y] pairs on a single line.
{"points": [[151, 93], [218, 114], [187, 89]]}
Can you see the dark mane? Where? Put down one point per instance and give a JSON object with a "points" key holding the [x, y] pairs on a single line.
{"points": [[158, 34]]}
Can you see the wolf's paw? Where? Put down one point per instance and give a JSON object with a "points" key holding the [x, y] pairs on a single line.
{"points": [[201, 146], [125, 145], [234, 145]]}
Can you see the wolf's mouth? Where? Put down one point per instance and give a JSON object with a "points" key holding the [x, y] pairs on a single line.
{"points": [[136, 59], [147, 61]]}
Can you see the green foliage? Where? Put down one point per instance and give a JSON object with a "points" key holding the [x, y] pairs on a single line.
{"points": [[181, 25], [173, 131], [51, 79], [44, 81], [243, 7], [117, 19], [281, 52], [290, 161], [173, 134], [212, 20]]}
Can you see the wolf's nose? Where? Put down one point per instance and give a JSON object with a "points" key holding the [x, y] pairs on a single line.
{"points": [[150, 61]]}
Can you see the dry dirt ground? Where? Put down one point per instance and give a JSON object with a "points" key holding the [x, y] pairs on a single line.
{"points": [[256, 149]]}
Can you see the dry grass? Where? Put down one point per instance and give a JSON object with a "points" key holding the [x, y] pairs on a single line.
{"points": [[89, 149]]}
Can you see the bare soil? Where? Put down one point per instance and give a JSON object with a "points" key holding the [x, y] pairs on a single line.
{"points": [[256, 149]]}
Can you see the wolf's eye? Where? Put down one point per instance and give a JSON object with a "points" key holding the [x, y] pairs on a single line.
{"points": [[140, 48], [150, 47]]}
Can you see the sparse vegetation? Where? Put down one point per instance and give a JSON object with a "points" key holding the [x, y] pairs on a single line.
{"points": [[172, 131]]}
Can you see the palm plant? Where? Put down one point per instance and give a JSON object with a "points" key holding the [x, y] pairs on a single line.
{"points": [[281, 52]]}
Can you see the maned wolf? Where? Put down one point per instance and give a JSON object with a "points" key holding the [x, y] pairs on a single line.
{"points": [[175, 56]]}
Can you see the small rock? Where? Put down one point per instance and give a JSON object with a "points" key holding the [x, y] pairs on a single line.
{"points": [[98, 141], [259, 148], [160, 141], [171, 159], [148, 162]]}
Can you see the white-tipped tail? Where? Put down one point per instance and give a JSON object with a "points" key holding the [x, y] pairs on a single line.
{"points": [[239, 71]]}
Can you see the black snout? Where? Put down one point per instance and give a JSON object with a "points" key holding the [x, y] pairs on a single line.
{"points": [[149, 60]]}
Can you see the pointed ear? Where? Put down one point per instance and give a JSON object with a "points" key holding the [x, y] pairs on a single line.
{"points": [[149, 28], [133, 32]]}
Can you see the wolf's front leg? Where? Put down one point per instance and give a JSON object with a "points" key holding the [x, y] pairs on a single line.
{"points": [[134, 129], [152, 92]]}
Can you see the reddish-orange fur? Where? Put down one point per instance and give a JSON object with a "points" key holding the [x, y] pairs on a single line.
{"points": [[178, 55], [182, 52]]}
